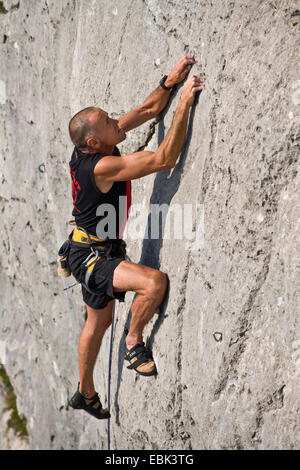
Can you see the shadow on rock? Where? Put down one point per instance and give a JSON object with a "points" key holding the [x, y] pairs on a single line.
{"points": [[165, 187]]}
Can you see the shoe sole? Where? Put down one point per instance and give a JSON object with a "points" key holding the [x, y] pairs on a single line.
{"points": [[105, 416], [146, 374]]}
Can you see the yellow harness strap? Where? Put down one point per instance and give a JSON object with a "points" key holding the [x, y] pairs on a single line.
{"points": [[82, 236]]}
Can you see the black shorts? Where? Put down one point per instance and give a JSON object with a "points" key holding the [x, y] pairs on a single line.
{"points": [[101, 278]]}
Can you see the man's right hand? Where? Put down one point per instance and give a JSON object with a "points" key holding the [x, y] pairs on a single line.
{"points": [[191, 86]]}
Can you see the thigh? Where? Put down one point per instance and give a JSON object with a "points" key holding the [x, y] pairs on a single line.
{"points": [[101, 317], [131, 276]]}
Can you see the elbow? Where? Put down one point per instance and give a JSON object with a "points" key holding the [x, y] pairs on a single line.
{"points": [[162, 162], [166, 166], [169, 166]]}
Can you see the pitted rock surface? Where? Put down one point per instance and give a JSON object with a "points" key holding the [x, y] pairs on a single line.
{"points": [[240, 166]]}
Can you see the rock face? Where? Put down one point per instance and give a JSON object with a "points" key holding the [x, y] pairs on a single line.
{"points": [[227, 343], [9, 438]]}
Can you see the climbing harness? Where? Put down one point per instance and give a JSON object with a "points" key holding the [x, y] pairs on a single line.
{"points": [[99, 248], [87, 268], [80, 237]]}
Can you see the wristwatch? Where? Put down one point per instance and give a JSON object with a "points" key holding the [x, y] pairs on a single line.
{"points": [[162, 83]]}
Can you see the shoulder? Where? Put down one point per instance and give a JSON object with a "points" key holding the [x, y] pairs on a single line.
{"points": [[73, 156]]}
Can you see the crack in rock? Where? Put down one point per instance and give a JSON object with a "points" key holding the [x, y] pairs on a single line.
{"points": [[238, 344], [179, 425], [273, 401], [122, 35], [149, 136]]}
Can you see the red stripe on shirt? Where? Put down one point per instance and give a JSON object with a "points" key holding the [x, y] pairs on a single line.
{"points": [[128, 204]]}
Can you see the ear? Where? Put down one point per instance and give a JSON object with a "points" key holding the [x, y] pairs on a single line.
{"points": [[92, 142]]}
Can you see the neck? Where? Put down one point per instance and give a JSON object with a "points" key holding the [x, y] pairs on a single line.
{"points": [[108, 149]]}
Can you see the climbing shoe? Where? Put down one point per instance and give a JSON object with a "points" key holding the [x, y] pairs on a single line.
{"points": [[91, 405], [141, 360]]}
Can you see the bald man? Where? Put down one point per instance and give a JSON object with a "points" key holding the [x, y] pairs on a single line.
{"points": [[100, 180]]}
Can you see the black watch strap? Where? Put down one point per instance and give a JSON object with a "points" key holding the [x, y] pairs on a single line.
{"points": [[162, 83]]}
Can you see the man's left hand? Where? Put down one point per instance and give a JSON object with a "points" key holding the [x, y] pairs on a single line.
{"points": [[180, 71]]}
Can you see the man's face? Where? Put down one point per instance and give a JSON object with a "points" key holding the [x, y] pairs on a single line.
{"points": [[109, 131]]}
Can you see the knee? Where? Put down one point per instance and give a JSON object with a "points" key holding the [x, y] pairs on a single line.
{"points": [[97, 328], [98, 321], [157, 284]]}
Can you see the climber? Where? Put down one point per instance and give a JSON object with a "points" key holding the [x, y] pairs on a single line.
{"points": [[100, 176]]}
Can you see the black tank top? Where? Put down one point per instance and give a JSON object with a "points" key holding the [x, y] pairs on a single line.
{"points": [[101, 214]]}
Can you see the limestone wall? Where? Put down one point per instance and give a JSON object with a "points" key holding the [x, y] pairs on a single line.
{"points": [[227, 345]]}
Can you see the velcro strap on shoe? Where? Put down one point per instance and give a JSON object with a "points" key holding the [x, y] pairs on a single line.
{"points": [[95, 399], [141, 353], [139, 361], [136, 350]]}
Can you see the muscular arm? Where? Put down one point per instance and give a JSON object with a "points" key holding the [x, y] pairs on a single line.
{"points": [[158, 99], [143, 163], [151, 107]]}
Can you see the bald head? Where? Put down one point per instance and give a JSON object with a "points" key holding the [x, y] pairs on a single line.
{"points": [[82, 126]]}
